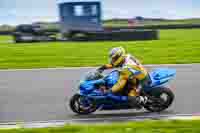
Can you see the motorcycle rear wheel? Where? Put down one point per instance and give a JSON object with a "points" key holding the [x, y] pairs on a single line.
{"points": [[159, 102]]}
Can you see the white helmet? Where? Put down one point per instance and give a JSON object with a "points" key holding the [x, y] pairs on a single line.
{"points": [[116, 56]]}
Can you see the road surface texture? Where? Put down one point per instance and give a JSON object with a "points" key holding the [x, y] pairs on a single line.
{"points": [[39, 95]]}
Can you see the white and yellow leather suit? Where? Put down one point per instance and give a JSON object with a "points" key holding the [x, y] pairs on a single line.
{"points": [[131, 70]]}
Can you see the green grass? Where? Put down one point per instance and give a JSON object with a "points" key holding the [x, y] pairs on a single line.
{"points": [[132, 127], [5, 38], [174, 46]]}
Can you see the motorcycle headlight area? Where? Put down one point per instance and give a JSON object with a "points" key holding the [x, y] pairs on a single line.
{"points": [[93, 76]]}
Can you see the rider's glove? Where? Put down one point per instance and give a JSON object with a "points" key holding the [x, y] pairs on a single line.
{"points": [[101, 69]]}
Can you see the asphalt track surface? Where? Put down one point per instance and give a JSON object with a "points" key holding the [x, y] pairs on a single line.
{"points": [[39, 95]]}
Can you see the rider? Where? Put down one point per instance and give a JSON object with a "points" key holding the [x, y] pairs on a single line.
{"points": [[131, 71]]}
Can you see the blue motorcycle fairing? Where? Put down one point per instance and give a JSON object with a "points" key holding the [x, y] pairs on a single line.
{"points": [[108, 96], [161, 73], [89, 87], [159, 77], [112, 78], [90, 90], [86, 87]]}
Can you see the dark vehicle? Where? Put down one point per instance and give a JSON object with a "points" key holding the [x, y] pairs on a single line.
{"points": [[32, 33]]}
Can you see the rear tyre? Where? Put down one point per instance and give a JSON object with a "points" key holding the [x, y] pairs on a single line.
{"points": [[82, 105], [160, 99]]}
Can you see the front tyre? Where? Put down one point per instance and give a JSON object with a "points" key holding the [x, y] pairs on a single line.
{"points": [[160, 99], [82, 105]]}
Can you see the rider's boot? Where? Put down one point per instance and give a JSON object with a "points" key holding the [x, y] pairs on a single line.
{"points": [[137, 101], [143, 100]]}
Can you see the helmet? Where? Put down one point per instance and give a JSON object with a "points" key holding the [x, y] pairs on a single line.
{"points": [[117, 56]]}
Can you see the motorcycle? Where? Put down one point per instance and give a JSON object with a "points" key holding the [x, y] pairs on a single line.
{"points": [[91, 96]]}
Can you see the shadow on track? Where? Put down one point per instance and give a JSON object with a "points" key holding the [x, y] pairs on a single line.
{"points": [[120, 116]]}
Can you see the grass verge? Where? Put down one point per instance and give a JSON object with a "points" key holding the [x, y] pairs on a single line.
{"points": [[4, 39], [132, 127], [174, 47]]}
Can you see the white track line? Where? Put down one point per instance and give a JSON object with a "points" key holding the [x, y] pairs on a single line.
{"points": [[90, 119], [58, 123], [75, 68]]}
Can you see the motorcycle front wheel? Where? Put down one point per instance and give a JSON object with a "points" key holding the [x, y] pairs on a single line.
{"points": [[82, 105]]}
